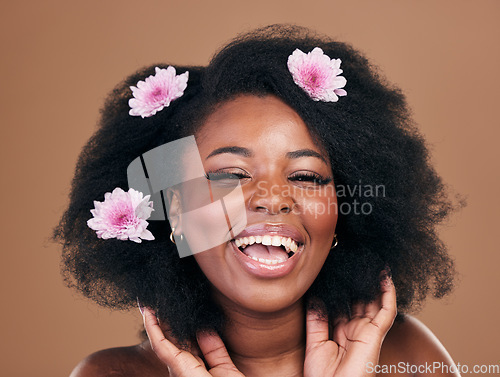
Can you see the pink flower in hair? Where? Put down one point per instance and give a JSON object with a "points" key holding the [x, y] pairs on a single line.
{"points": [[157, 91], [122, 215], [317, 74]]}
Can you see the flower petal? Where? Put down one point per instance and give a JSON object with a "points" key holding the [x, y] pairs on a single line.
{"points": [[317, 74], [147, 235], [122, 215], [157, 91]]}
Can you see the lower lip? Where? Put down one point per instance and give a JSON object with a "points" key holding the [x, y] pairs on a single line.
{"points": [[263, 270]]}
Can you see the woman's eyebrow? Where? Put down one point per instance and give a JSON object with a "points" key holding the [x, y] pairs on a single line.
{"points": [[232, 149], [245, 152], [305, 153]]}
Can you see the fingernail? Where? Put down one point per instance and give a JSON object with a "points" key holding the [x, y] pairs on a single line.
{"points": [[387, 280], [141, 308], [388, 271], [386, 275]]}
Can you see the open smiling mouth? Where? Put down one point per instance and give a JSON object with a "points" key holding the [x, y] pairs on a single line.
{"points": [[268, 249]]}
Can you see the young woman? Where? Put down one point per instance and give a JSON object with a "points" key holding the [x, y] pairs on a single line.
{"points": [[336, 228]]}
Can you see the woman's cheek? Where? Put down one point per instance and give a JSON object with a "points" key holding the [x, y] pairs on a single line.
{"points": [[319, 215], [212, 217]]}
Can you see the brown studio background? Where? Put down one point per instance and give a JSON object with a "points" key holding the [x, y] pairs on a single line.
{"points": [[60, 59]]}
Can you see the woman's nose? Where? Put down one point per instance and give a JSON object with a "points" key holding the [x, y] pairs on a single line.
{"points": [[273, 198]]}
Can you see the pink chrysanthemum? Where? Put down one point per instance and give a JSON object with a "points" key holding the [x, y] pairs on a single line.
{"points": [[122, 215], [317, 75], [157, 91]]}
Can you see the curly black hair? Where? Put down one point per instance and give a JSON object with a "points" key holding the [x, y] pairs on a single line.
{"points": [[369, 136]]}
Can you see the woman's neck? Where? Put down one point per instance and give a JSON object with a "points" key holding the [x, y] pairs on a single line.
{"points": [[266, 344]]}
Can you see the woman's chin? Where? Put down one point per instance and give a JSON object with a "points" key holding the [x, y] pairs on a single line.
{"points": [[252, 286], [259, 303]]}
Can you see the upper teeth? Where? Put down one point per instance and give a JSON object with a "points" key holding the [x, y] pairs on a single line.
{"points": [[287, 242]]}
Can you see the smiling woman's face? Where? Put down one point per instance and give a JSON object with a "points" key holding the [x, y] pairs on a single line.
{"points": [[289, 198]]}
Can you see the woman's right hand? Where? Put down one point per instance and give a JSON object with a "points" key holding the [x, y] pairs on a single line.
{"points": [[182, 363]]}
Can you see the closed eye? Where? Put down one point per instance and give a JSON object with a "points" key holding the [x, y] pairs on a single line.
{"points": [[226, 175], [306, 178], [310, 178]]}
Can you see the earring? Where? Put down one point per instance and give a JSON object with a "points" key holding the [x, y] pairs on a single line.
{"points": [[172, 236], [335, 242]]}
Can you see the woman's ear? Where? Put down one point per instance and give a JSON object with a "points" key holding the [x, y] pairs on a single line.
{"points": [[174, 210]]}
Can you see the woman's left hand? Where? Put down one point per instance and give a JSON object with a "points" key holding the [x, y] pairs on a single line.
{"points": [[356, 340]]}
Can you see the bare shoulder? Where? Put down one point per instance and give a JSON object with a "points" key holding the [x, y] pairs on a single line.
{"points": [[131, 361], [410, 346]]}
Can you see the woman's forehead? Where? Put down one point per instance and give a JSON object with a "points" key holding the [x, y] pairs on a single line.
{"points": [[255, 121]]}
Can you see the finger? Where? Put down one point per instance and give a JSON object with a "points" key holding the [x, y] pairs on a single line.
{"points": [[358, 310], [372, 308], [317, 328], [199, 359], [339, 335], [165, 349], [185, 345], [388, 310], [214, 350]]}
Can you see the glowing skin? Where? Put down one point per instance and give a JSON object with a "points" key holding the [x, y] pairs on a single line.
{"points": [[285, 176], [270, 158], [268, 332]]}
